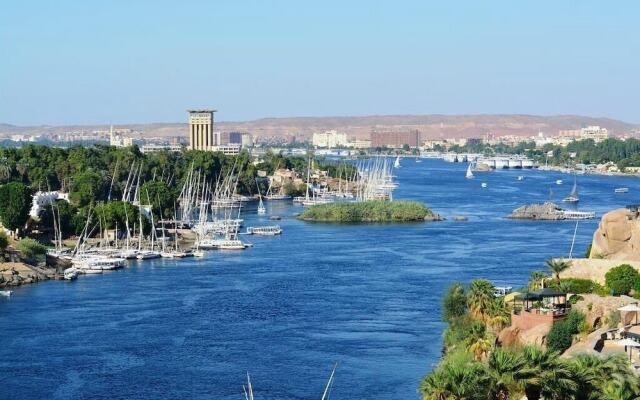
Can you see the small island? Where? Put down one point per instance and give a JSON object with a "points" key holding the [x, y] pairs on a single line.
{"points": [[370, 211]]}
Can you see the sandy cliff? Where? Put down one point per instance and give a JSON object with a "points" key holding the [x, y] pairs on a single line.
{"points": [[617, 236]]}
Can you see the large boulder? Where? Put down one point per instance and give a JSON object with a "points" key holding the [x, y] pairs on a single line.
{"points": [[596, 309], [513, 336], [545, 211], [617, 236]]}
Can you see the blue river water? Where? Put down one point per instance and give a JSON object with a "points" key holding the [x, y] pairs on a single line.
{"points": [[364, 296]]}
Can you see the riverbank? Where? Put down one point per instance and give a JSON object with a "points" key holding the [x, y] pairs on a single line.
{"points": [[18, 273], [369, 211]]}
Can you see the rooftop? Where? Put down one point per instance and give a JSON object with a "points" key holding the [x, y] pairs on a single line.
{"points": [[202, 110]]}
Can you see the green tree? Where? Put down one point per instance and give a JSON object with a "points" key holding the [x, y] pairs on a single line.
{"points": [[621, 279], [87, 187], [480, 298], [117, 213], [4, 242], [67, 212], [160, 196], [557, 266], [454, 303], [560, 336], [15, 199]]}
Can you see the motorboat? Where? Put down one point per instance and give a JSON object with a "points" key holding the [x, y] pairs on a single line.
{"points": [[621, 190], [483, 184], [264, 230], [198, 253], [5, 293], [520, 177], [559, 182], [233, 244], [277, 197], [70, 274], [148, 254], [222, 244], [99, 263]]}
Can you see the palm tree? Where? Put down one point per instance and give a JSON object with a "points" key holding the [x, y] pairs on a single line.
{"points": [[455, 381], [553, 377], [557, 266], [620, 390], [479, 347], [480, 298], [508, 373], [603, 377], [499, 314], [536, 280]]}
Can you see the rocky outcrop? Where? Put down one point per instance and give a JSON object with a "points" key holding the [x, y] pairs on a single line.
{"points": [[514, 336], [547, 211], [16, 274], [596, 309], [617, 236], [594, 269], [433, 217]]}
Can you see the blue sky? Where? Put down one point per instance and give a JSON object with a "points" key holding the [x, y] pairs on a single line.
{"points": [[64, 62]]}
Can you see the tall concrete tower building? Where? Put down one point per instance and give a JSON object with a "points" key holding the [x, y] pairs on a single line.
{"points": [[201, 130]]}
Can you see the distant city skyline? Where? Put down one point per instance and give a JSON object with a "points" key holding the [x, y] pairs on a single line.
{"points": [[140, 62]]}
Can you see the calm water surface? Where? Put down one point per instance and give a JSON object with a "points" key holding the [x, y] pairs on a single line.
{"points": [[365, 296]]}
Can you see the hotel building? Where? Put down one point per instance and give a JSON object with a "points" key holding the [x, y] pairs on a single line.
{"points": [[201, 136]]}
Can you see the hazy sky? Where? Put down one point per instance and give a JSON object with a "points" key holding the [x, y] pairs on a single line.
{"points": [[64, 61]]}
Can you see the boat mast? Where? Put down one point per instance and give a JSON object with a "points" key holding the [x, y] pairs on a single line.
{"points": [[327, 388]]}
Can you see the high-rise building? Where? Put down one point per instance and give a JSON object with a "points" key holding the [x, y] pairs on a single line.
{"points": [[201, 130], [395, 139]]}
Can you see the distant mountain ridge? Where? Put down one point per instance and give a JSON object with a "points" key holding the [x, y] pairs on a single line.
{"points": [[431, 126]]}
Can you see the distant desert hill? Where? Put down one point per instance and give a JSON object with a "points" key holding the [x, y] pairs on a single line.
{"points": [[431, 126]]}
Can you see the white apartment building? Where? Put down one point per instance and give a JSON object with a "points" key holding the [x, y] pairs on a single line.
{"points": [[359, 144], [329, 139], [594, 132]]}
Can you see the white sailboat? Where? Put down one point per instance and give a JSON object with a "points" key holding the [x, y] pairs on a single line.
{"points": [[573, 196], [396, 164], [469, 174], [261, 207]]}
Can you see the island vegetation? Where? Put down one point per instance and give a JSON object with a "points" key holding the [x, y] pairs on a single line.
{"points": [[367, 211]]}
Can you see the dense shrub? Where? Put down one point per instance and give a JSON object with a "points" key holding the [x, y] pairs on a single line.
{"points": [[621, 279], [367, 211], [581, 286], [4, 241], [613, 319], [31, 249], [461, 329], [560, 336], [454, 303]]}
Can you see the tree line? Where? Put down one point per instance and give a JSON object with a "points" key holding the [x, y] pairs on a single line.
{"points": [[95, 178]]}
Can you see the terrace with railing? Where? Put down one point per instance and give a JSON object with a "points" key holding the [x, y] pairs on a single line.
{"points": [[545, 306]]}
